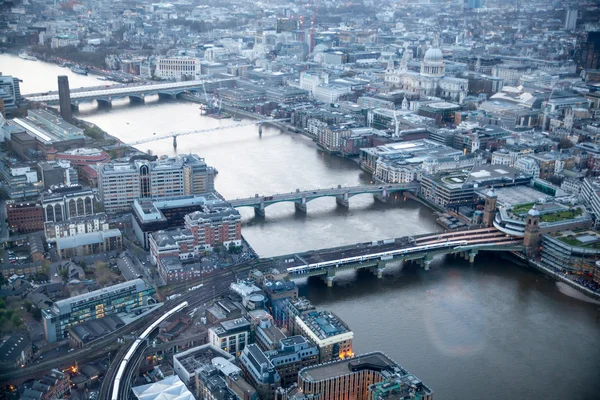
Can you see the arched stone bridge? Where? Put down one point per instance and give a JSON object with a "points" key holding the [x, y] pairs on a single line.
{"points": [[342, 195]]}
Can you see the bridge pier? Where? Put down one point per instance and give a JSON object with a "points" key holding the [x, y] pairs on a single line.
{"points": [[343, 200], [75, 106], [175, 141], [137, 99], [260, 210], [104, 103], [472, 255], [426, 262], [301, 205], [260, 129], [378, 270], [381, 197], [329, 277]]}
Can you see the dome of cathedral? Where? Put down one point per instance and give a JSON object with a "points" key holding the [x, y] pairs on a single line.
{"points": [[434, 55]]}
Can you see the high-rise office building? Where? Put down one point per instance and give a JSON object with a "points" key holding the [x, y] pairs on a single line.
{"points": [[589, 57], [10, 94], [121, 183], [64, 97], [571, 19]]}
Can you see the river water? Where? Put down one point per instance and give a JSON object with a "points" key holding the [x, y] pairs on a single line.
{"points": [[489, 331]]}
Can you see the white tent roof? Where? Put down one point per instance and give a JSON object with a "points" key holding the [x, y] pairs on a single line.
{"points": [[171, 388]]}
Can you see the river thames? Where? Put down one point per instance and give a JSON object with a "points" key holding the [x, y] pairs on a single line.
{"points": [[493, 330]]}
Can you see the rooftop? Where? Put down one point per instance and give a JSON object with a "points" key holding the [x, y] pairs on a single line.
{"points": [[373, 361], [12, 347], [170, 388], [324, 324], [196, 357]]}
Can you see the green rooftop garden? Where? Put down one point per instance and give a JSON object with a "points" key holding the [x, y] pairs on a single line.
{"points": [[522, 208], [573, 241], [561, 215]]}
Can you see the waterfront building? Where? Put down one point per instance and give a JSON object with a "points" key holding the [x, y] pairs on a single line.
{"points": [[412, 153], [150, 216], [448, 190], [364, 377], [177, 67], [41, 131], [259, 371], [573, 251], [10, 94], [330, 137], [431, 80], [99, 242], [114, 299], [121, 183], [293, 354], [63, 202], [24, 217], [590, 195], [231, 336], [215, 225], [75, 226], [331, 335], [552, 217]]}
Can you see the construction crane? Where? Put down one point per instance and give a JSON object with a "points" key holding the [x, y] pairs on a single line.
{"points": [[174, 135]]}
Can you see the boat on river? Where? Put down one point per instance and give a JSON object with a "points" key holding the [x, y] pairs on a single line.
{"points": [[26, 56]]}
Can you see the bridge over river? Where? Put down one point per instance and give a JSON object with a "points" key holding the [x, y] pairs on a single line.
{"points": [[376, 255], [342, 195], [135, 92]]}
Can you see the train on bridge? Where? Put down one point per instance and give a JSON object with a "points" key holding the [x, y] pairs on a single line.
{"points": [[303, 269]]}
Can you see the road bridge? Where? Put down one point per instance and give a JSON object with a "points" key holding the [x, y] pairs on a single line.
{"points": [[342, 195], [135, 92]]}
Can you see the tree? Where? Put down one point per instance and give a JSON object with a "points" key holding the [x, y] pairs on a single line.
{"points": [[2, 304], [28, 305], [64, 274], [46, 267], [36, 313], [565, 144], [16, 320]]}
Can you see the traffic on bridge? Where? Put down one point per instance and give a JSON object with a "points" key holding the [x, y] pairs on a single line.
{"points": [[341, 193], [124, 91]]}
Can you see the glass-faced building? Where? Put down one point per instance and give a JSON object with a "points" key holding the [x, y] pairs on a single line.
{"points": [[121, 297]]}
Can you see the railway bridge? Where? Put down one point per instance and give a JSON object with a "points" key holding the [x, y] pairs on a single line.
{"points": [[376, 256], [135, 92]]}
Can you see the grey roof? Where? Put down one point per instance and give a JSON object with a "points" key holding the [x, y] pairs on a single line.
{"points": [[13, 346], [72, 242]]}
